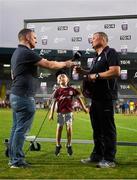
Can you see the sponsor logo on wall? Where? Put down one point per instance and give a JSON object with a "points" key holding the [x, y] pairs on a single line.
{"points": [[58, 40], [125, 62], [31, 26], [125, 86], [123, 74], [61, 51], [43, 29], [45, 51], [125, 37], [44, 40], [90, 38], [62, 28], [124, 26], [109, 26], [123, 49], [76, 28], [76, 39], [75, 49]]}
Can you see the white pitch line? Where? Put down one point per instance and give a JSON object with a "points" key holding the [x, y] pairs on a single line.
{"points": [[87, 120], [130, 129]]}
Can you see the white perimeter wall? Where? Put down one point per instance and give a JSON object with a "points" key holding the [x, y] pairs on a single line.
{"points": [[13, 13]]}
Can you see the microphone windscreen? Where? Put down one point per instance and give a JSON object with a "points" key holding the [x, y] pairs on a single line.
{"points": [[77, 55]]}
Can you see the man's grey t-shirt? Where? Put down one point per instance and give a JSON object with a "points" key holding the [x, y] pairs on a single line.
{"points": [[24, 71]]}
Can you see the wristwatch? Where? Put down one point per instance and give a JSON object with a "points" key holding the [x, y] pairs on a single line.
{"points": [[97, 76]]}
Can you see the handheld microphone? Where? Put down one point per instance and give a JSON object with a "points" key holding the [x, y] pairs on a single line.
{"points": [[77, 55]]}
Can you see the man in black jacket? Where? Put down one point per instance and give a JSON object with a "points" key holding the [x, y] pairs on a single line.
{"points": [[103, 77]]}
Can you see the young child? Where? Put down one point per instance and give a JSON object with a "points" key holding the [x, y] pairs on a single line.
{"points": [[63, 96]]}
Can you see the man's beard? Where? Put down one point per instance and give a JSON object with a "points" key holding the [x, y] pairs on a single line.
{"points": [[99, 45], [32, 46]]}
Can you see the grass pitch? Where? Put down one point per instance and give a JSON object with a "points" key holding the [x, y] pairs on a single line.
{"points": [[45, 165]]}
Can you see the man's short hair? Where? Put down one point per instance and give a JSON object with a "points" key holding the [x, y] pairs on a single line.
{"points": [[23, 33], [102, 34]]}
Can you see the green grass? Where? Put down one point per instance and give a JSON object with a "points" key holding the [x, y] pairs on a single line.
{"points": [[45, 165]]}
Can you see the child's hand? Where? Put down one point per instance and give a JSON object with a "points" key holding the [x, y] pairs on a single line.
{"points": [[86, 110], [51, 117]]}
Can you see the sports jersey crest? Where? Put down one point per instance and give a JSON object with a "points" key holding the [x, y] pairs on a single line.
{"points": [[70, 92]]}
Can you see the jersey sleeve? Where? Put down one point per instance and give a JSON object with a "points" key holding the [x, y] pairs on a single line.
{"points": [[76, 92], [55, 94]]}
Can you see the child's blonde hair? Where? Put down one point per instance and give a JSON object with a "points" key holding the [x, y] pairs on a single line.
{"points": [[60, 76]]}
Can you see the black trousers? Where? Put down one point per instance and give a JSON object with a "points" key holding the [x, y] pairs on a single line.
{"points": [[104, 130]]}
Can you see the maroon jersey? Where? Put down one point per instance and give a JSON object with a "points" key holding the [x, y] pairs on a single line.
{"points": [[64, 98]]}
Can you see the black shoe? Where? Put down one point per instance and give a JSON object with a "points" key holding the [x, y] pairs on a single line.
{"points": [[69, 150], [57, 150]]}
